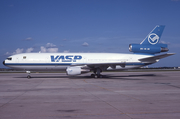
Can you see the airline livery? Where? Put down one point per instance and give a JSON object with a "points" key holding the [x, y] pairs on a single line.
{"points": [[78, 63]]}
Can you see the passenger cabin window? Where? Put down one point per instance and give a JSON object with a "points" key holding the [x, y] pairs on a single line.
{"points": [[24, 57], [9, 58]]}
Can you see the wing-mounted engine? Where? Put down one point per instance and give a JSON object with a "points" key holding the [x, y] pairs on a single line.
{"points": [[150, 49], [76, 70]]}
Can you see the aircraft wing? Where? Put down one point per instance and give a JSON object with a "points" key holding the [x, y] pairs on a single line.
{"points": [[154, 58], [103, 66]]}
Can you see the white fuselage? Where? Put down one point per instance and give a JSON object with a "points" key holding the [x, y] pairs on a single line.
{"points": [[60, 61]]}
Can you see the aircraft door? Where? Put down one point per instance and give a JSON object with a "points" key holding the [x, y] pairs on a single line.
{"points": [[85, 60]]}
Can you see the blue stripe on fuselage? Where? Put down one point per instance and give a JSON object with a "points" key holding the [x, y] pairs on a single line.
{"points": [[25, 64], [54, 64]]}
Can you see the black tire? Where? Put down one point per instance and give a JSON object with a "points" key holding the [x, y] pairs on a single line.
{"points": [[28, 76], [92, 75]]}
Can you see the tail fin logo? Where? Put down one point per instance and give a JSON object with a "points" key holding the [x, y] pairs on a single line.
{"points": [[153, 38]]}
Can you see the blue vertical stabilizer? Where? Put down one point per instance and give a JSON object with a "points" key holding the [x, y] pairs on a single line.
{"points": [[150, 45], [154, 36]]}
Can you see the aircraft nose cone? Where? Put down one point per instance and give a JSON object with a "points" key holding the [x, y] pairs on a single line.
{"points": [[4, 62]]}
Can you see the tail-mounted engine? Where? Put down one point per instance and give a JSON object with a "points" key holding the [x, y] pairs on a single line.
{"points": [[150, 49]]}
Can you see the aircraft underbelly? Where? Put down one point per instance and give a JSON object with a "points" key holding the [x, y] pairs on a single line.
{"points": [[39, 68]]}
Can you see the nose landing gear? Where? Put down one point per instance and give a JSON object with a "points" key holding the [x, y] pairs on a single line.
{"points": [[28, 76]]}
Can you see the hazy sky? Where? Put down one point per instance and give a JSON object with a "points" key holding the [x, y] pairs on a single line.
{"points": [[86, 26]]}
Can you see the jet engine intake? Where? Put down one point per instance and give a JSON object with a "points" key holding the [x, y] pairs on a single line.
{"points": [[75, 70]]}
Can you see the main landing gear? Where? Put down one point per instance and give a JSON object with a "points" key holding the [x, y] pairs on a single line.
{"points": [[28, 76], [97, 73]]}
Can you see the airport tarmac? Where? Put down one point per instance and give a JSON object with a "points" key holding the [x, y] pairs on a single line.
{"points": [[118, 95]]}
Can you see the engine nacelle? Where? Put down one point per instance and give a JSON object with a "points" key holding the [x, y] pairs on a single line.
{"points": [[150, 49], [73, 70], [76, 70]]}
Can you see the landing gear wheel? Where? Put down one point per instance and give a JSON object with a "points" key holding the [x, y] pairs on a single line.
{"points": [[99, 76], [92, 75], [28, 76], [97, 73]]}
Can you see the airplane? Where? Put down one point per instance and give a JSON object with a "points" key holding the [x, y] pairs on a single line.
{"points": [[78, 63]]}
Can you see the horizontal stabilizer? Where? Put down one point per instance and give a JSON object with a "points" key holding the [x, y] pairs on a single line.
{"points": [[154, 58]]}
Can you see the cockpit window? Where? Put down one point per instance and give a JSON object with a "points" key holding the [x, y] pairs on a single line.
{"points": [[24, 57], [9, 58]]}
